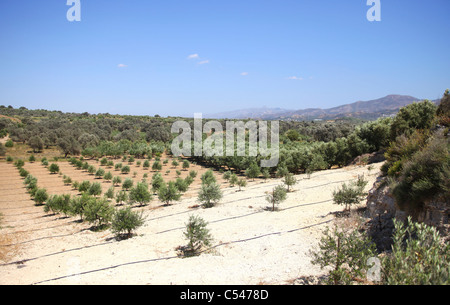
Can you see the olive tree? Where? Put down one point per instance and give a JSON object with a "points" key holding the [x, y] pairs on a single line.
{"points": [[277, 195], [140, 194], [125, 221], [197, 235], [209, 195]]}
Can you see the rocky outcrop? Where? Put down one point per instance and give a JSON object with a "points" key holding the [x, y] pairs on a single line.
{"points": [[382, 209]]}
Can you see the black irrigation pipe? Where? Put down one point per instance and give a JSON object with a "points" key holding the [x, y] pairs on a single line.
{"points": [[54, 253], [249, 214], [172, 257]]}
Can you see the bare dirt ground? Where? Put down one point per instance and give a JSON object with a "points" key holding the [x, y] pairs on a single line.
{"points": [[251, 245]]}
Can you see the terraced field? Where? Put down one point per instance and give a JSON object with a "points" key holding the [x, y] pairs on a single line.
{"points": [[251, 245]]}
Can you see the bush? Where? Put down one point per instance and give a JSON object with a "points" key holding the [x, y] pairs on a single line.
{"points": [[95, 189], [253, 171], [110, 193], [198, 237], [193, 174], [77, 205], [19, 163], [168, 192], [126, 221], [140, 194], [350, 194], [345, 253], [146, 164], [99, 173], [414, 116], [209, 195], [157, 181], [182, 184], [424, 175], [208, 177], [157, 166], [91, 169], [9, 143], [241, 183], [23, 172], [121, 197], [125, 169], [117, 180], [277, 195], [127, 184], [186, 164], [418, 257], [289, 180], [84, 186], [58, 204], [98, 212], [108, 176], [54, 168], [40, 196]]}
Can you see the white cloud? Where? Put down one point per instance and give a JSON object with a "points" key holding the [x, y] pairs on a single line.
{"points": [[244, 73], [203, 62], [193, 56], [295, 78], [122, 66]]}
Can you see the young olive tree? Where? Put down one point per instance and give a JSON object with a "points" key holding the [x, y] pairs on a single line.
{"points": [[140, 194], [289, 180], [351, 194], [125, 221], [197, 235], [168, 193], [277, 195], [209, 195]]}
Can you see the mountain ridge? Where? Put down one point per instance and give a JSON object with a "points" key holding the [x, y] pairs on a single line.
{"points": [[368, 110]]}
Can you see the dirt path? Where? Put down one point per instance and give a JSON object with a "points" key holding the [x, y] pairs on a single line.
{"points": [[251, 245]]}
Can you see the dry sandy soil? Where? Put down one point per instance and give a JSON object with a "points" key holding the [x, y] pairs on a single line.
{"points": [[251, 245]]}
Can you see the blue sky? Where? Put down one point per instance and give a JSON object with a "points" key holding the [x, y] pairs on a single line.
{"points": [[170, 57]]}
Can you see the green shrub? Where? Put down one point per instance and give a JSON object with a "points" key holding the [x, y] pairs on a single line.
{"points": [[277, 195], [345, 254], [125, 169], [198, 237], [208, 177], [95, 189], [99, 173], [54, 168], [209, 195], [125, 221], [414, 116], [19, 163], [289, 180], [418, 256], [168, 192], [40, 196], [424, 175], [351, 194], [58, 204], [127, 184], [84, 186], [9, 143], [140, 194], [98, 212], [182, 184]]}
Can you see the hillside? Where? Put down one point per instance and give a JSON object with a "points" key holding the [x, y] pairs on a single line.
{"points": [[367, 110]]}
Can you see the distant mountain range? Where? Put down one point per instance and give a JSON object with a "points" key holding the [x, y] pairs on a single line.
{"points": [[366, 110]]}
